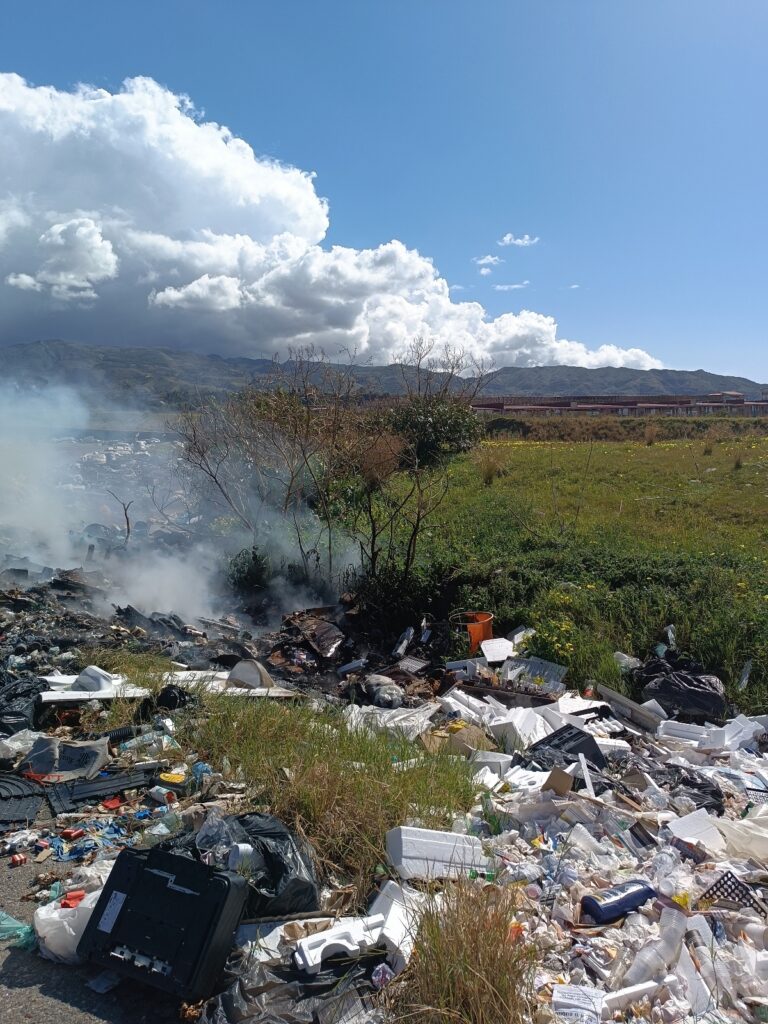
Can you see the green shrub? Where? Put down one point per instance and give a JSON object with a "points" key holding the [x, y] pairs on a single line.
{"points": [[433, 426], [248, 571]]}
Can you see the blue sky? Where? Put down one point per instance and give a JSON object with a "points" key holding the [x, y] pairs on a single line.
{"points": [[628, 138]]}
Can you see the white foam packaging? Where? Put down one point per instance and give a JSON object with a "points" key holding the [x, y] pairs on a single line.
{"points": [[426, 853]]}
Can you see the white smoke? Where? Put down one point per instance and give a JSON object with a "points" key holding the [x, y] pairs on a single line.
{"points": [[46, 506], [127, 218], [33, 508]]}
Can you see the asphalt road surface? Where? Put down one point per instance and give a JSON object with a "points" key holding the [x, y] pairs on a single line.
{"points": [[35, 989]]}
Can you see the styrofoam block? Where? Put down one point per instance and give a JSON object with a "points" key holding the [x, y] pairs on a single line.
{"points": [[449, 705], [574, 704], [522, 779], [350, 937], [408, 722], [681, 731], [426, 853], [122, 690], [485, 778], [655, 708], [623, 997], [520, 727], [498, 763], [402, 907], [557, 718], [465, 703]]}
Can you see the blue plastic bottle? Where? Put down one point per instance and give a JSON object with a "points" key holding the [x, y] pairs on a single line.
{"points": [[611, 904]]}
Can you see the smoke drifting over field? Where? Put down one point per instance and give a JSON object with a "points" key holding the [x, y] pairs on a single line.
{"points": [[63, 491]]}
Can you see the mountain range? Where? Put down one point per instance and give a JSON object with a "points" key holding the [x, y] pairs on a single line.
{"points": [[164, 379]]}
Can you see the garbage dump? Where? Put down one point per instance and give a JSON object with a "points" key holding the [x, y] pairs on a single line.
{"points": [[632, 833]]}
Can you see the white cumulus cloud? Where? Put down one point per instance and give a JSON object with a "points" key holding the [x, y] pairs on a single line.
{"points": [[487, 261], [511, 287], [127, 218], [523, 242]]}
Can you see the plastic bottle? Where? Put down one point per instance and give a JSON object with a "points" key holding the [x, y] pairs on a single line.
{"points": [[756, 931], [611, 904], [579, 836], [525, 871], [653, 959]]}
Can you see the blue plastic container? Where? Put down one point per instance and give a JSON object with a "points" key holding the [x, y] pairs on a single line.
{"points": [[611, 904]]}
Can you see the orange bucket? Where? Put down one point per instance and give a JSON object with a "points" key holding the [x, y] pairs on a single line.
{"points": [[479, 627]]}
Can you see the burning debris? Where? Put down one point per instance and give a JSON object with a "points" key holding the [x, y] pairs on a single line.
{"points": [[631, 836], [622, 841]]}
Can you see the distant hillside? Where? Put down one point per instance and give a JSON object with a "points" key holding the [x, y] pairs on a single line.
{"points": [[613, 380], [163, 379]]}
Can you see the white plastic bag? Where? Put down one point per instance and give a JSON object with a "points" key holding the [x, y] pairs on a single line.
{"points": [[93, 876], [20, 743], [59, 929]]}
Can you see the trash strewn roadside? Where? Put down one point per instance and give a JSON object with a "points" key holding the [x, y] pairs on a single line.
{"points": [[631, 835]]}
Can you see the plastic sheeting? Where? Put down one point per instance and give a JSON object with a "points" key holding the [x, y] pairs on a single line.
{"points": [[284, 995]]}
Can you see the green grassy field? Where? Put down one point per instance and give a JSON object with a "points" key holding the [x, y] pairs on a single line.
{"points": [[599, 546]]}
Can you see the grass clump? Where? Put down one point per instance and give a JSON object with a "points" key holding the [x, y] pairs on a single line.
{"points": [[343, 790], [490, 462], [470, 964], [140, 668]]}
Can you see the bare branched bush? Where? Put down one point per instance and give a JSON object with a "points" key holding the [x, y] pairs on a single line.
{"points": [[430, 370], [309, 447]]}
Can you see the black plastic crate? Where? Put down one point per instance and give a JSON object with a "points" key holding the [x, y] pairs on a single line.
{"points": [[166, 920]]}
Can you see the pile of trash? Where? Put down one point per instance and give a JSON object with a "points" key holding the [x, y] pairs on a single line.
{"points": [[634, 835]]}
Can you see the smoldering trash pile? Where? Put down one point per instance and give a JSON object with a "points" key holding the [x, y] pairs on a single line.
{"points": [[631, 835]]}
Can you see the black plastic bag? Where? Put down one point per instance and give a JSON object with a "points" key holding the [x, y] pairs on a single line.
{"points": [[170, 698], [284, 995], [682, 686], [281, 872], [686, 782], [18, 704]]}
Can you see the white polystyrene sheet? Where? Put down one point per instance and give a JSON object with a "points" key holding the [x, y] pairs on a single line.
{"points": [[746, 837], [698, 827], [402, 908], [498, 650], [519, 728]]}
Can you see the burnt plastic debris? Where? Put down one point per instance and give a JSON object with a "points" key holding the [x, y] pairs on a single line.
{"points": [[20, 801], [318, 630], [279, 865], [682, 687], [286, 995], [569, 741], [167, 921], [65, 797]]}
